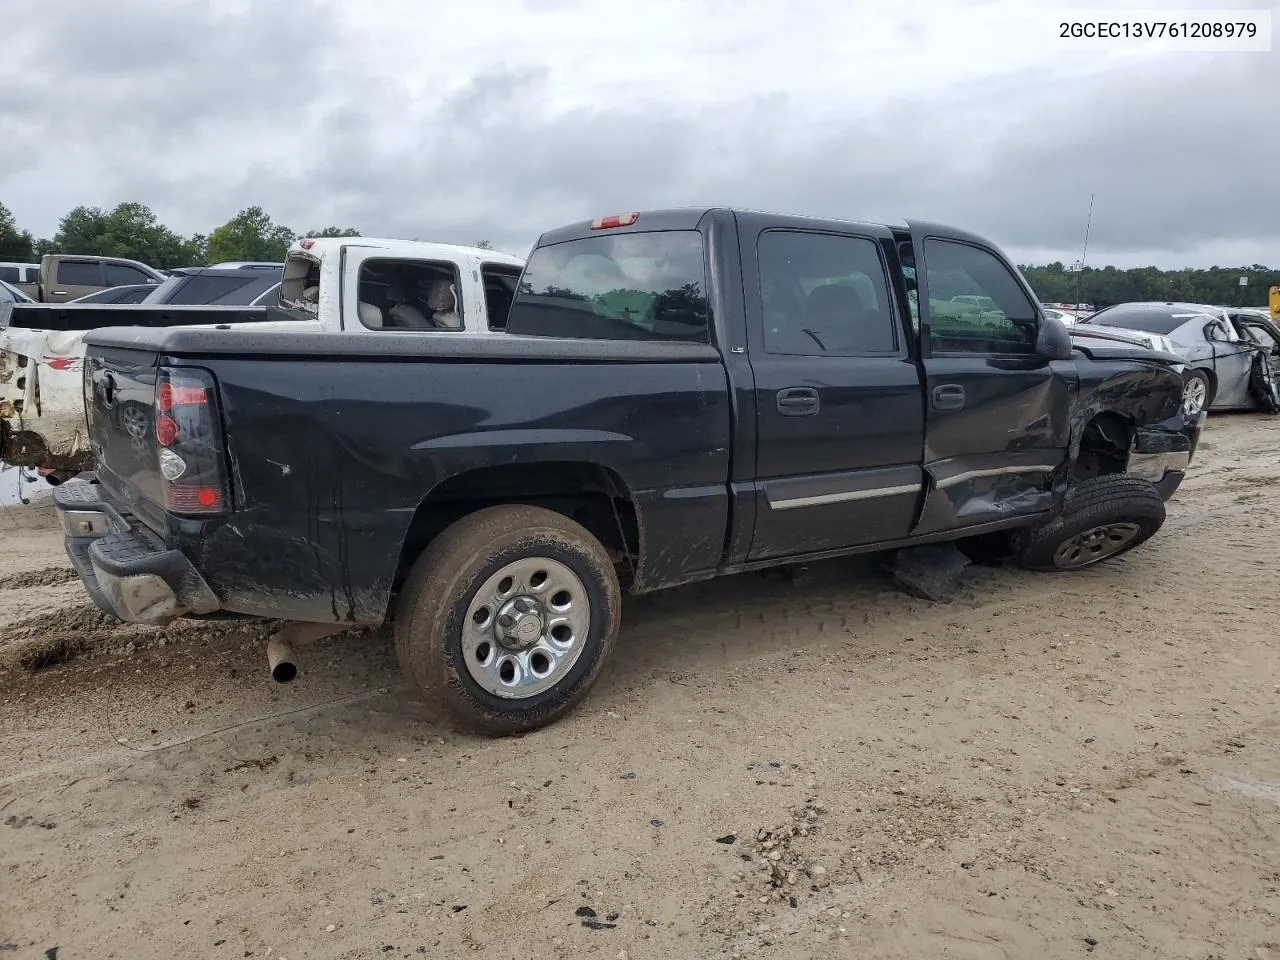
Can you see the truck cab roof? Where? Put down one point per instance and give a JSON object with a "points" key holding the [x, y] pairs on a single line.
{"points": [[689, 218], [319, 248]]}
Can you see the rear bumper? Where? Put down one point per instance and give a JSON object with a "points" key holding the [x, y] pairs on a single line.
{"points": [[125, 568]]}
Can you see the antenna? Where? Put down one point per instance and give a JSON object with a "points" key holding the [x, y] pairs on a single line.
{"points": [[1085, 252]]}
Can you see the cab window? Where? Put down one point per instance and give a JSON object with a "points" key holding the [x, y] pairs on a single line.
{"points": [[824, 294], [976, 305]]}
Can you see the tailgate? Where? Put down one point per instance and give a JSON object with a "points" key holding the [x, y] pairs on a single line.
{"points": [[120, 390]]}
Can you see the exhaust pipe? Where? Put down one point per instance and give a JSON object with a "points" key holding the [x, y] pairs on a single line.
{"points": [[280, 658]]}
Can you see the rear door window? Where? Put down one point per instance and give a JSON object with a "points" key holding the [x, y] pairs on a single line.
{"points": [[120, 274], [632, 286], [500, 285], [409, 295], [80, 273], [824, 295]]}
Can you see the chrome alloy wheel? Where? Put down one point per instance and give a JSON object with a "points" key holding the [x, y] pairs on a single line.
{"points": [[1195, 394], [526, 627]]}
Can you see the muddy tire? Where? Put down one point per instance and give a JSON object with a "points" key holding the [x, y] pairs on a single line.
{"points": [[507, 618], [1102, 517]]}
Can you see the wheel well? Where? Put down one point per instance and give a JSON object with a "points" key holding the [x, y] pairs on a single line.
{"points": [[1213, 382], [1104, 447], [593, 495]]}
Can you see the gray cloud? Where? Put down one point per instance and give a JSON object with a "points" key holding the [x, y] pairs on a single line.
{"points": [[200, 114]]}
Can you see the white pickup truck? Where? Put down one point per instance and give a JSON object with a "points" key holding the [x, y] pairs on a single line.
{"points": [[356, 284]]}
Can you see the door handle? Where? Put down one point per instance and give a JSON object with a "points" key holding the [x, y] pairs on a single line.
{"points": [[948, 396], [58, 293], [798, 402]]}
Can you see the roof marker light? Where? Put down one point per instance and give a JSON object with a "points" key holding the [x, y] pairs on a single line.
{"points": [[620, 220]]}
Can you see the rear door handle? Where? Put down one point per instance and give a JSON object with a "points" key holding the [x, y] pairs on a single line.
{"points": [[798, 402], [948, 396]]}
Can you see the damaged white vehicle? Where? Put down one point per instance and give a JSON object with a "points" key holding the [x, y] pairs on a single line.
{"points": [[355, 284]]}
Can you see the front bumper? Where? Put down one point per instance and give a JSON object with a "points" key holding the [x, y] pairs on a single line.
{"points": [[1163, 454], [126, 569]]}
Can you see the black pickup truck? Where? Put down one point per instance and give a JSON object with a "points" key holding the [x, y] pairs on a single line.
{"points": [[678, 395]]}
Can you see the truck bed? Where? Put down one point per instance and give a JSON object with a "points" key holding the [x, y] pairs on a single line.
{"points": [[364, 440]]}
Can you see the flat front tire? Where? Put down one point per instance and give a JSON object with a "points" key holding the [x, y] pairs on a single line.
{"points": [[1102, 517], [507, 618]]}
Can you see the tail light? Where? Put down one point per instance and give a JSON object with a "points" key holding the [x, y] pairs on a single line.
{"points": [[189, 438]]}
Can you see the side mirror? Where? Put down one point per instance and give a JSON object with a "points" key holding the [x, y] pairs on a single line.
{"points": [[1053, 342]]}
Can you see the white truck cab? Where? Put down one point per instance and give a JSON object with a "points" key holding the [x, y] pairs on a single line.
{"points": [[339, 284], [366, 285]]}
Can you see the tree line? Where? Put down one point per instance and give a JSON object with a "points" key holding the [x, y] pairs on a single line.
{"points": [[132, 230], [1103, 286]]}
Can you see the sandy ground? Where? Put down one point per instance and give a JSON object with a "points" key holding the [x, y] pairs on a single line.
{"points": [[1046, 766]]}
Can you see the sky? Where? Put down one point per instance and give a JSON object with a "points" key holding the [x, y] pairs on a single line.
{"points": [[499, 119]]}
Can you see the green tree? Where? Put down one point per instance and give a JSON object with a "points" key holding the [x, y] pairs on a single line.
{"points": [[334, 232], [1106, 285], [249, 235], [130, 230], [15, 245], [200, 249]]}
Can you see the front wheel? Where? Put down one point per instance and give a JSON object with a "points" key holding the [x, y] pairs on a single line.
{"points": [[508, 616], [1102, 517]]}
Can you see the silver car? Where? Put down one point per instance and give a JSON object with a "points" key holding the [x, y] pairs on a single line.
{"points": [[1232, 356]]}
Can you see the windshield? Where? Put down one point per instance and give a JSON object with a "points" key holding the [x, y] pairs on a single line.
{"points": [[635, 286]]}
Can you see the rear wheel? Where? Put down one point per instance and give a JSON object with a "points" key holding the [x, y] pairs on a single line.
{"points": [[1101, 518], [508, 617]]}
